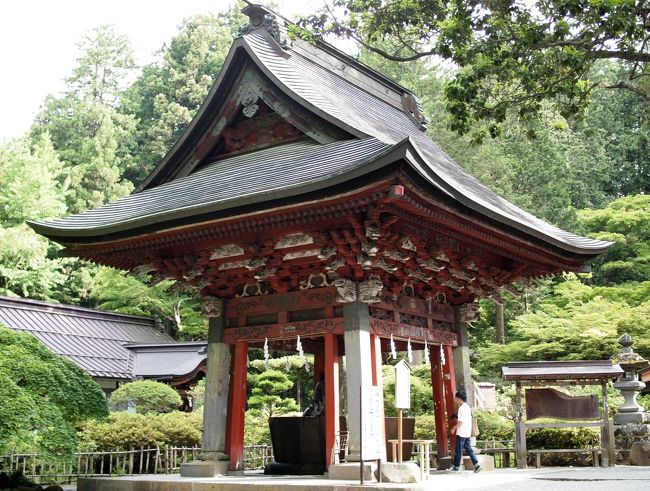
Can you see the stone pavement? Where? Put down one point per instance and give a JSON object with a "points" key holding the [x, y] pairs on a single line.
{"points": [[619, 478]]}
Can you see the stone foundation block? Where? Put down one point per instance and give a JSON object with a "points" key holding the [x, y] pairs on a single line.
{"points": [[485, 461], [350, 471], [204, 468]]}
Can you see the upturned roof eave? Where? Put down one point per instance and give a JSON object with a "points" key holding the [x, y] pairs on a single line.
{"points": [[63, 235], [421, 164], [406, 149]]}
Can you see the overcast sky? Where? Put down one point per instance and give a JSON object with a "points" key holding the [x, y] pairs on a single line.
{"points": [[38, 42]]}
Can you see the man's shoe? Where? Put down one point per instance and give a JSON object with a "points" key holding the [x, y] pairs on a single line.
{"points": [[453, 469], [477, 469]]}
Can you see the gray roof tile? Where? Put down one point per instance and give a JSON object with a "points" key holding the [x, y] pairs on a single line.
{"points": [[92, 339], [330, 93]]}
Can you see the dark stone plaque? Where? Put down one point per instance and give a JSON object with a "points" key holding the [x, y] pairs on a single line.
{"points": [[551, 403]]}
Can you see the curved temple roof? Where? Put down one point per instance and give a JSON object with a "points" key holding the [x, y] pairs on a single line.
{"points": [[324, 84]]}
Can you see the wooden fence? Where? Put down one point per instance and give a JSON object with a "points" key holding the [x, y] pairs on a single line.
{"points": [[42, 468]]}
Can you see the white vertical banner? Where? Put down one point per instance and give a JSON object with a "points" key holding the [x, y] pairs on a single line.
{"points": [[372, 434]]}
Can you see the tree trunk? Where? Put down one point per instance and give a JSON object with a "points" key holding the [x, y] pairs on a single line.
{"points": [[500, 321]]}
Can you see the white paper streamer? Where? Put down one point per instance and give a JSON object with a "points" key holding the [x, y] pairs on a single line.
{"points": [[426, 353], [266, 353], [443, 361], [393, 351]]}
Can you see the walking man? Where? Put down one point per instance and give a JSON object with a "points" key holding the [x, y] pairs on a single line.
{"points": [[463, 431]]}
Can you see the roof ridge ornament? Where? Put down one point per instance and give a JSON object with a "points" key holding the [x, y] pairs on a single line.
{"points": [[261, 17]]}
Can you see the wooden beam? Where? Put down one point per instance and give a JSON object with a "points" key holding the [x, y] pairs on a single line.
{"points": [[289, 330]]}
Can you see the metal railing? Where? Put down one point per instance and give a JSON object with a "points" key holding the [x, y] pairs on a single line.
{"points": [[60, 468]]}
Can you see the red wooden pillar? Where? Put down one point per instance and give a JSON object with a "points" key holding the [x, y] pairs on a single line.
{"points": [[439, 406], [319, 366], [238, 407], [331, 369], [449, 378]]}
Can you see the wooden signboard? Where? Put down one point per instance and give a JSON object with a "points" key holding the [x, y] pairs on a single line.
{"points": [[403, 385]]}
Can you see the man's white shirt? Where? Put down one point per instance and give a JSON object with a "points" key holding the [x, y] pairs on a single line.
{"points": [[465, 417]]}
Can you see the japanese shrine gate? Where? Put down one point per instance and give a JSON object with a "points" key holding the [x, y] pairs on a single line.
{"points": [[305, 199]]}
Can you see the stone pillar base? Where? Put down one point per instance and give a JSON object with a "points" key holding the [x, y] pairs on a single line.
{"points": [[204, 468], [485, 461], [351, 471], [624, 438], [445, 463]]}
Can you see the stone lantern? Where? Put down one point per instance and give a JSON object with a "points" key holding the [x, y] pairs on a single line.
{"points": [[630, 421], [630, 385]]}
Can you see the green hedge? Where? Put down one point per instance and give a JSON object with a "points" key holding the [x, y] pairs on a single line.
{"points": [[125, 430]]}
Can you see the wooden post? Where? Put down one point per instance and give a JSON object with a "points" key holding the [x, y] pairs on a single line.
{"points": [[399, 435], [520, 432], [237, 408], [439, 406], [331, 368], [609, 454]]}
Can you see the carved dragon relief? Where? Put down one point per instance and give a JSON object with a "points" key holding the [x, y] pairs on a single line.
{"points": [[395, 255], [418, 275], [468, 312], [300, 254], [225, 251], [370, 291], [211, 306], [346, 290], [293, 240], [430, 264], [381, 263], [335, 264]]}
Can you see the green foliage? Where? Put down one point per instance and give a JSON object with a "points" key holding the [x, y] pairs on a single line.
{"points": [[124, 430], [148, 396], [421, 391], [425, 427], [180, 312], [197, 394], [268, 394], [625, 221], [294, 368], [169, 92], [572, 324], [256, 429], [42, 396], [31, 180], [512, 57], [494, 426]]}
